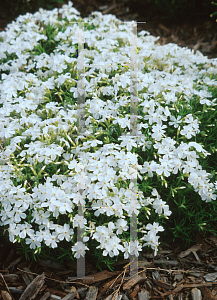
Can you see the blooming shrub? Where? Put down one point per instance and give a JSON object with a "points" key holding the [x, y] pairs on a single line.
{"points": [[43, 159]]}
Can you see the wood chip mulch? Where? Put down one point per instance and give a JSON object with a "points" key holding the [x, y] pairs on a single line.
{"points": [[172, 274]]}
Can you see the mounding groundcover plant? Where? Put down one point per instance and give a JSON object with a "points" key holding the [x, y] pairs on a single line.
{"points": [[42, 154]]}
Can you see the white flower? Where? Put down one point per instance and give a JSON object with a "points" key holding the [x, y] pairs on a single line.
{"points": [[177, 164], [151, 240], [152, 117], [61, 79], [65, 207], [189, 166], [41, 217], [147, 201], [51, 240], [188, 131], [159, 206], [121, 225], [79, 221], [33, 242], [134, 204], [205, 101], [6, 213], [128, 142], [182, 150], [65, 232], [112, 247], [18, 214], [167, 212], [79, 248], [209, 196], [135, 248], [25, 229], [158, 131], [53, 206], [12, 231], [123, 122], [165, 167], [194, 179], [175, 122], [170, 97], [155, 193], [126, 250], [155, 228], [42, 235], [108, 249], [101, 234]]}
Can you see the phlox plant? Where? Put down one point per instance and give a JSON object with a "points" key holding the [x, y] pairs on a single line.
{"points": [[44, 160]]}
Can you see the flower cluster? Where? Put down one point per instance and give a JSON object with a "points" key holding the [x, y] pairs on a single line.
{"points": [[44, 162]]}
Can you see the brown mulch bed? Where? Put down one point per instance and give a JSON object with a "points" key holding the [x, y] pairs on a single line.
{"points": [[175, 273], [172, 274]]}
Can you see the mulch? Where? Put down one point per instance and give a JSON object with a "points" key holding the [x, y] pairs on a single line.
{"points": [[174, 273], [171, 274]]}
